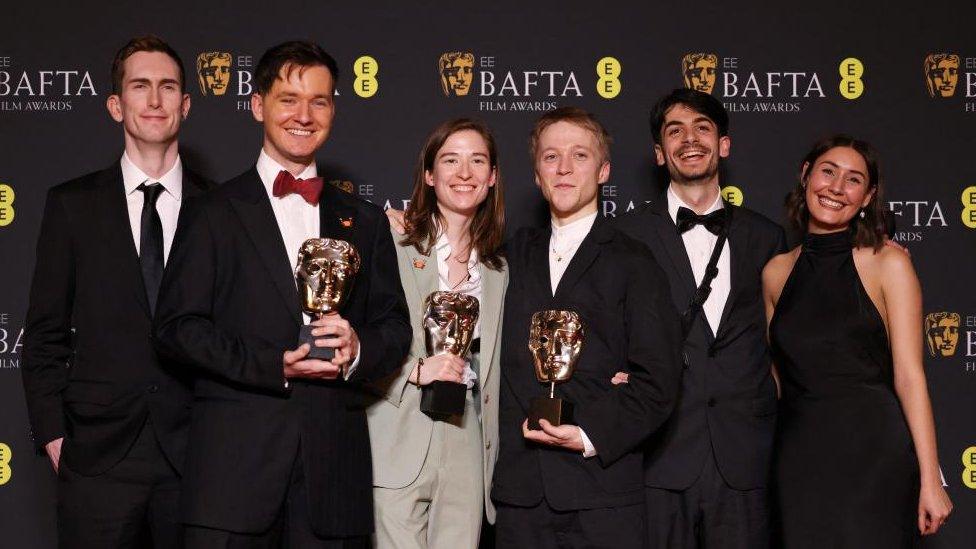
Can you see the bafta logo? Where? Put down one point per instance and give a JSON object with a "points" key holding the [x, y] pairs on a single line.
{"points": [[213, 71], [456, 70], [942, 333], [941, 74], [699, 71]]}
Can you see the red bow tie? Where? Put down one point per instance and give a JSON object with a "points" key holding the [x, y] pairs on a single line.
{"points": [[286, 184]]}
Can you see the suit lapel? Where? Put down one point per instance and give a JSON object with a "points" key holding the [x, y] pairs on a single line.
{"points": [[255, 213], [117, 235], [587, 252], [738, 246], [424, 269], [674, 249], [493, 286]]}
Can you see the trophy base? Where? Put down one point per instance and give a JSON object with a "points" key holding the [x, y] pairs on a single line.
{"points": [[318, 353], [443, 398], [554, 410]]}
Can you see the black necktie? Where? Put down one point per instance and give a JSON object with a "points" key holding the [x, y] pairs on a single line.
{"points": [[713, 222], [151, 242]]}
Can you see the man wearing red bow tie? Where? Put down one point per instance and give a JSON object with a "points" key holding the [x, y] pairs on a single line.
{"points": [[279, 448]]}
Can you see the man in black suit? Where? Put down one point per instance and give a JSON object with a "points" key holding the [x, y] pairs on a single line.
{"points": [[580, 485], [111, 418], [706, 470], [279, 447]]}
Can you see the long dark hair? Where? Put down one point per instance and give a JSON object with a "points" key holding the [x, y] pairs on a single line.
{"points": [[868, 230], [487, 229]]}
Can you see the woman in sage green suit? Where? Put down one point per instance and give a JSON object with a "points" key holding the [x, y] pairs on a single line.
{"points": [[432, 476]]}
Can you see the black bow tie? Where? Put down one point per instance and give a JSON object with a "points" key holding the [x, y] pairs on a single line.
{"points": [[713, 222]]}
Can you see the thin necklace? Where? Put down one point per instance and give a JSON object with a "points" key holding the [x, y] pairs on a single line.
{"points": [[559, 253]]}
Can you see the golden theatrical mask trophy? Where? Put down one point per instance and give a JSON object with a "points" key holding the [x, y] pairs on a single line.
{"points": [[556, 341], [324, 273], [449, 320]]}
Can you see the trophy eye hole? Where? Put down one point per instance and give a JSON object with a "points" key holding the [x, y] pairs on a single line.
{"points": [[543, 340], [314, 269]]}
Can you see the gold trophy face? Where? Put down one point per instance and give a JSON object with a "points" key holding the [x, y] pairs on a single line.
{"points": [[449, 320], [942, 333], [324, 273], [457, 72], [942, 74], [556, 341], [699, 71], [213, 71]]}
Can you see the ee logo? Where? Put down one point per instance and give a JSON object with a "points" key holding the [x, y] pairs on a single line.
{"points": [[5, 456], [366, 85], [733, 195], [969, 467], [608, 84], [851, 70], [6, 205], [968, 207]]}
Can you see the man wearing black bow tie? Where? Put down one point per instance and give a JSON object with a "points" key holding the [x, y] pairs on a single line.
{"points": [[279, 447], [705, 472]]}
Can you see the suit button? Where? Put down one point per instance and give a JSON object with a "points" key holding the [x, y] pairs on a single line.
{"points": [[487, 398], [488, 445], [152, 388], [711, 403]]}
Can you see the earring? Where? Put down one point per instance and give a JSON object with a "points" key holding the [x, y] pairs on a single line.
{"points": [[862, 213]]}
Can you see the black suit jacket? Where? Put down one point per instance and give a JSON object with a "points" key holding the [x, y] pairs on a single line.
{"points": [[728, 397], [630, 325], [230, 308], [96, 387]]}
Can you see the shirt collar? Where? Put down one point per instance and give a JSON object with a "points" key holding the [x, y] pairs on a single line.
{"points": [[268, 170], [443, 248], [674, 202], [575, 231], [132, 177]]}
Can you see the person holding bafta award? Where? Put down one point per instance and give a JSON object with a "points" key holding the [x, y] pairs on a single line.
{"points": [[584, 302], [433, 426], [279, 444]]}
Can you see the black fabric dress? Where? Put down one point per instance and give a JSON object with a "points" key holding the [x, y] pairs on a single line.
{"points": [[846, 474]]}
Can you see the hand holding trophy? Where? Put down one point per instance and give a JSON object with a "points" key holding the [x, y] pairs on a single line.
{"points": [[555, 341], [449, 321], [325, 272]]}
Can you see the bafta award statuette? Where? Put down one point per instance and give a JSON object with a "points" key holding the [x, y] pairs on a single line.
{"points": [[324, 274], [449, 320], [555, 341]]}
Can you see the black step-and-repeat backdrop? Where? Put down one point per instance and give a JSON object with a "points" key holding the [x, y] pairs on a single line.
{"points": [[904, 80]]}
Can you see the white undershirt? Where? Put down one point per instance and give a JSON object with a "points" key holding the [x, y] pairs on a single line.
{"points": [[167, 204], [699, 243], [297, 220]]}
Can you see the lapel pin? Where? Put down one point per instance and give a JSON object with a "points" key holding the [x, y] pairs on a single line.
{"points": [[419, 263], [345, 222]]}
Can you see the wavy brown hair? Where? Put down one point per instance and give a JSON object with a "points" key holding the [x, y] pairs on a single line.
{"points": [[866, 231], [423, 216]]}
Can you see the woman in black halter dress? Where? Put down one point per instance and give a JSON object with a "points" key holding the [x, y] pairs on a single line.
{"points": [[855, 462]]}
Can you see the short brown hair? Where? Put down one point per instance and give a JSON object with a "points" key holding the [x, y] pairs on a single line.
{"points": [[148, 42], [576, 116]]}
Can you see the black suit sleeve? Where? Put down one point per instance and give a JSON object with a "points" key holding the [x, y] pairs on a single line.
{"points": [[384, 337], [184, 327], [47, 334], [630, 412]]}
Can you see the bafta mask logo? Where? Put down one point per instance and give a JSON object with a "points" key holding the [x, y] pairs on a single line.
{"points": [[213, 71], [942, 333], [456, 70], [699, 71], [325, 272], [449, 320], [941, 74], [556, 341]]}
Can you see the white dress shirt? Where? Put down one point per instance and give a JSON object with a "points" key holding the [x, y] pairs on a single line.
{"points": [[563, 244], [699, 243], [167, 204], [297, 220], [472, 287]]}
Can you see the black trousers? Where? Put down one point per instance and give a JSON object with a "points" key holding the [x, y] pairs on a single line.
{"points": [[291, 529], [542, 527], [133, 504], [708, 515]]}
